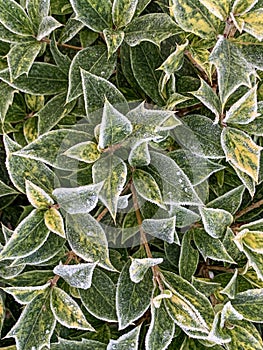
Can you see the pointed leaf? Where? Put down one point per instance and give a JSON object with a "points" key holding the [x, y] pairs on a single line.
{"points": [[242, 151], [189, 257], [47, 26], [230, 201], [123, 11], [67, 312], [85, 152], [163, 229], [253, 23], [139, 155], [24, 295], [139, 267], [37, 196], [113, 40], [231, 288], [7, 95], [253, 240], [6, 190], [216, 221], [242, 6], [244, 335], [54, 222], [87, 239], [249, 304], [37, 9], [128, 341], [220, 10], [85, 344], [248, 182], [61, 60]]}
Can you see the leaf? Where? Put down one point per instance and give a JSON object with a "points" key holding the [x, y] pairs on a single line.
{"points": [[147, 187], [208, 97], [28, 236], [244, 110], [78, 200], [253, 24], [251, 239], [113, 40], [96, 16], [163, 229], [161, 330], [246, 180], [139, 155], [177, 189], [52, 112], [37, 9], [244, 335], [6, 190], [78, 276], [123, 12], [21, 57], [37, 196], [189, 257], [34, 103], [220, 10], [242, 6], [133, 299], [14, 18], [231, 288], [100, 298], [24, 295], [7, 95], [85, 344], [113, 171], [210, 247], [139, 267], [43, 79], [54, 222], [67, 312], [95, 90], [30, 129], [85, 152], [242, 151], [153, 27], [114, 128], [88, 240], [200, 136], [61, 60], [193, 17], [47, 25], [93, 59], [216, 221], [35, 325], [232, 68]]}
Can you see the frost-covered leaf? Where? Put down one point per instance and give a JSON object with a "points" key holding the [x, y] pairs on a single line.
{"points": [[242, 151], [100, 298], [163, 229], [139, 155], [47, 25], [189, 257], [24, 295], [67, 311], [219, 9], [7, 95], [216, 221], [37, 196], [85, 152], [193, 17], [176, 187], [113, 40], [37, 9], [6, 190], [114, 128], [175, 60], [253, 240], [54, 221], [30, 129], [242, 6], [113, 171], [133, 299], [123, 11], [249, 304], [153, 27], [128, 341], [35, 325], [139, 267], [210, 247], [231, 288], [93, 59], [28, 236], [84, 344], [78, 200], [78, 276], [248, 182], [96, 16], [232, 68], [252, 23], [87, 239], [244, 110]]}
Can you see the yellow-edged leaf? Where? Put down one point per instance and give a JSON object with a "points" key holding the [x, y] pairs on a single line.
{"points": [[54, 222]]}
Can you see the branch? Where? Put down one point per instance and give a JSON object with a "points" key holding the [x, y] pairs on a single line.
{"points": [[248, 209], [48, 41]]}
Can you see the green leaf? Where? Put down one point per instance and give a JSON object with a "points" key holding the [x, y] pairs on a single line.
{"points": [[242, 6], [189, 257], [113, 40], [251, 49], [96, 16], [62, 61], [220, 10], [252, 23], [54, 221], [95, 90], [113, 171], [28, 236], [94, 60], [37, 9], [14, 18], [242, 151], [37, 196], [7, 95], [114, 128], [248, 182], [251, 239], [244, 110], [232, 68], [100, 298], [21, 57], [139, 155], [216, 221], [176, 187], [163, 229], [67, 312], [123, 12], [85, 152], [174, 61], [6, 190], [249, 304], [78, 276], [88, 240], [30, 129], [85, 344], [128, 341], [78, 200], [231, 288], [35, 325], [43, 79], [161, 330], [133, 299], [24, 295], [193, 17], [34, 103], [153, 27], [139, 267], [2, 311], [47, 25], [147, 187], [210, 247]]}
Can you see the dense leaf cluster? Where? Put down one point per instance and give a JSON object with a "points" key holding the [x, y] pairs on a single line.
{"points": [[130, 174]]}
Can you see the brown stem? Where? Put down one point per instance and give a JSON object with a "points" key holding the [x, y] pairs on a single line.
{"points": [[195, 64], [248, 209], [219, 268], [102, 214], [155, 269], [48, 41], [55, 279]]}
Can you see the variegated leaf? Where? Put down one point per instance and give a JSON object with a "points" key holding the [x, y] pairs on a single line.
{"points": [[37, 196], [123, 11], [220, 10], [163, 229], [113, 40], [24, 295], [47, 25], [128, 341], [85, 152], [216, 221], [139, 267], [54, 222]]}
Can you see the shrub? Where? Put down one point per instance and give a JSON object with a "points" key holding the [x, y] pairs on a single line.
{"points": [[131, 179]]}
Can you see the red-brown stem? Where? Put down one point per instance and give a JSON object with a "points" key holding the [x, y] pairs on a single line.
{"points": [[249, 208], [48, 41]]}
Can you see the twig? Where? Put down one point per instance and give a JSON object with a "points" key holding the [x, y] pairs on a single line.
{"points": [[248, 209], [71, 256], [48, 41]]}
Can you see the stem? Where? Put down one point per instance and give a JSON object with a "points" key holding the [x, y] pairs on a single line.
{"points": [[193, 61], [102, 214], [219, 268], [48, 41], [55, 279], [155, 269], [248, 209]]}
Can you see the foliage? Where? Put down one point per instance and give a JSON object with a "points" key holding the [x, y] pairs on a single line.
{"points": [[130, 174]]}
